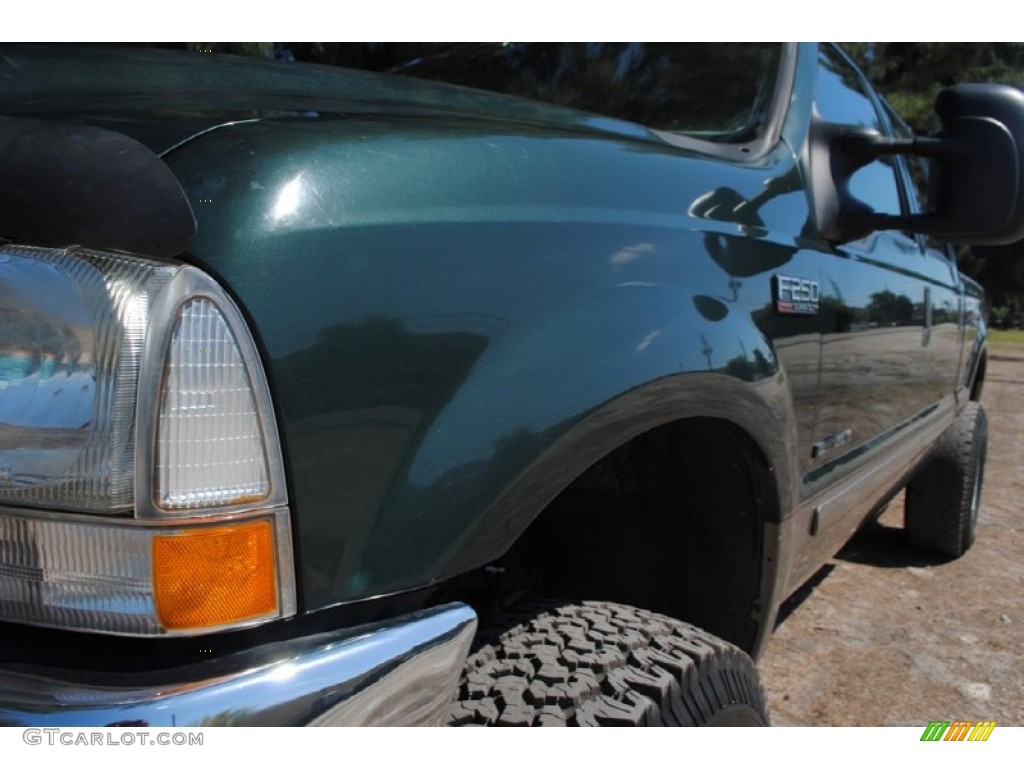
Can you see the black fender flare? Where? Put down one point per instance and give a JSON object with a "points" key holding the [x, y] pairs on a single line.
{"points": [[70, 184]]}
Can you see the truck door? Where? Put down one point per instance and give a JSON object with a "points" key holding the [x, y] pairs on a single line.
{"points": [[889, 349]]}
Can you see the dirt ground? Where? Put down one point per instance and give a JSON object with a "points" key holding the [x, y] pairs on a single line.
{"points": [[883, 635]]}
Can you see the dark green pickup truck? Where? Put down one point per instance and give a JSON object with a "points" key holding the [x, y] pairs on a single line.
{"points": [[314, 382]]}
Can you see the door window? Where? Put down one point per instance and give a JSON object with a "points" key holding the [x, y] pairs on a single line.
{"points": [[841, 97]]}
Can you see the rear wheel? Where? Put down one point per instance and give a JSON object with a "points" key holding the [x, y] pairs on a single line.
{"points": [[604, 664], [942, 502]]}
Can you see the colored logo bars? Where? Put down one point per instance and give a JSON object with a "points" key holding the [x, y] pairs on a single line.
{"points": [[959, 730]]}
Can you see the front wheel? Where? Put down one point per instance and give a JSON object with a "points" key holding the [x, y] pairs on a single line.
{"points": [[603, 664]]}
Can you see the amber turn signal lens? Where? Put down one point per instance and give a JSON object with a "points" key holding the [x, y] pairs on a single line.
{"points": [[214, 575]]}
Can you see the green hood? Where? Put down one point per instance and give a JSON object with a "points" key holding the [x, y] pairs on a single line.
{"points": [[163, 98]]}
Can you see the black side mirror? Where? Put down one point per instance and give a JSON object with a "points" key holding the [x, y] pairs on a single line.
{"points": [[977, 187], [976, 193]]}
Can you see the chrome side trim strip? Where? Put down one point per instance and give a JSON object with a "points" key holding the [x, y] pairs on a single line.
{"points": [[822, 524], [869, 485], [402, 672]]}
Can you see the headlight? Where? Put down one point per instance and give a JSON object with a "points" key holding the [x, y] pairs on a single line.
{"points": [[131, 390], [71, 347]]}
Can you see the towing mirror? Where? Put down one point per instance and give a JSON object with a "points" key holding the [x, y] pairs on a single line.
{"points": [[976, 192], [977, 186]]}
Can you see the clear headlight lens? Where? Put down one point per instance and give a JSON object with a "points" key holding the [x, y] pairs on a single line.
{"points": [[132, 389], [72, 331]]}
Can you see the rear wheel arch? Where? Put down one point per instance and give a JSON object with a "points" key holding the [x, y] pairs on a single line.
{"points": [[979, 377]]}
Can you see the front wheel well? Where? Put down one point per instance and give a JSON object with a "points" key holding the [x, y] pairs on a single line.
{"points": [[671, 521]]}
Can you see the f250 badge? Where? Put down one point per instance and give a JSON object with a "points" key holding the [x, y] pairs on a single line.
{"points": [[795, 295]]}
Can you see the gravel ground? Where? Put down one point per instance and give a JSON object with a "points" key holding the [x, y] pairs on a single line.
{"points": [[883, 635]]}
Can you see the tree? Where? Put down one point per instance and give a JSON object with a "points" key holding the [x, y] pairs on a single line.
{"points": [[911, 75]]}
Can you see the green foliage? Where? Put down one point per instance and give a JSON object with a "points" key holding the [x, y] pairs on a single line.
{"points": [[1006, 343], [910, 75]]}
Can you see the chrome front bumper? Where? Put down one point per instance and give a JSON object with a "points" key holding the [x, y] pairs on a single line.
{"points": [[401, 672]]}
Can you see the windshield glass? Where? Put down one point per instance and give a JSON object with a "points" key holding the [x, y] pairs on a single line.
{"points": [[712, 91]]}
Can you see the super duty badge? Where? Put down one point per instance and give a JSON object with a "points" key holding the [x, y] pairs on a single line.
{"points": [[795, 295]]}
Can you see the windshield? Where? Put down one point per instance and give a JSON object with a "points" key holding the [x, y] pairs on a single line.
{"points": [[712, 91]]}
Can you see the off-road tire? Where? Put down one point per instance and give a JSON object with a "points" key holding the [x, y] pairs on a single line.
{"points": [[603, 664], [942, 501]]}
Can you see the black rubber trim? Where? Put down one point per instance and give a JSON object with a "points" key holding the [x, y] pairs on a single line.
{"points": [[67, 184], [22, 645]]}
